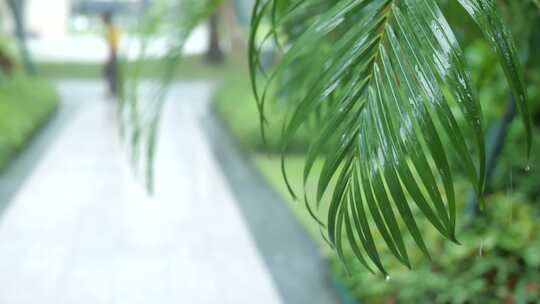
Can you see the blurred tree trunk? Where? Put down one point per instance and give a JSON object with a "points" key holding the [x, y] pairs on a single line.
{"points": [[6, 64], [17, 11], [214, 54], [233, 21]]}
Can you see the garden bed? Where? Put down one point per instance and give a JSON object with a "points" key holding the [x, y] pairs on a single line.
{"points": [[25, 104]]}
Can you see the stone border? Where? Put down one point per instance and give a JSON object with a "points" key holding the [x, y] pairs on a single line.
{"points": [[300, 273]]}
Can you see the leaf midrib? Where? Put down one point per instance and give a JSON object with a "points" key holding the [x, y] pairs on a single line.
{"points": [[382, 36]]}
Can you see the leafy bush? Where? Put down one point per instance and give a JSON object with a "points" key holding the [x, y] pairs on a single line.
{"points": [[25, 103], [498, 262]]}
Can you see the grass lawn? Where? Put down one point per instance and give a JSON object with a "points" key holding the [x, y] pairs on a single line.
{"points": [[191, 67], [270, 166], [236, 105]]}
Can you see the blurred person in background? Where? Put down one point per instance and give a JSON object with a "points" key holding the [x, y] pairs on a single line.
{"points": [[112, 35]]}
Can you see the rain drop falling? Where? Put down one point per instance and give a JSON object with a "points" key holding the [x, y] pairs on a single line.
{"points": [[481, 249], [510, 192], [511, 186]]}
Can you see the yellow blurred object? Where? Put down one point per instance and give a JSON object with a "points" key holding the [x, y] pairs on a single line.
{"points": [[113, 37]]}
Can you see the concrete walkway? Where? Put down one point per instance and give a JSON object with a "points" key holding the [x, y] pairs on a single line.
{"points": [[81, 230]]}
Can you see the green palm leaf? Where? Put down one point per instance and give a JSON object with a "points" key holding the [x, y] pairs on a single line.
{"points": [[485, 15], [173, 21], [386, 76]]}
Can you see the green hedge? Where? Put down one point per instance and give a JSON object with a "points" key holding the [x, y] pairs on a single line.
{"points": [[25, 103]]}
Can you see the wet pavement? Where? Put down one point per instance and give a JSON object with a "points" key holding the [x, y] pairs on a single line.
{"points": [[80, 228]]}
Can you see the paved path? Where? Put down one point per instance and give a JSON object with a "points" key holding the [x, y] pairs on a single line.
{"points": [[81, 230]]}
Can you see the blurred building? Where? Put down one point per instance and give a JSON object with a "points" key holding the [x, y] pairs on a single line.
{"points": [[72, 30], [57, 18], [93, 7], [48, 18], [86, 14], [4, 17]]}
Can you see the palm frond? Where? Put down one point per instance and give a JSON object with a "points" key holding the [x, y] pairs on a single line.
{"points": [[486, 17], [140, 108], [384, 76]]}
